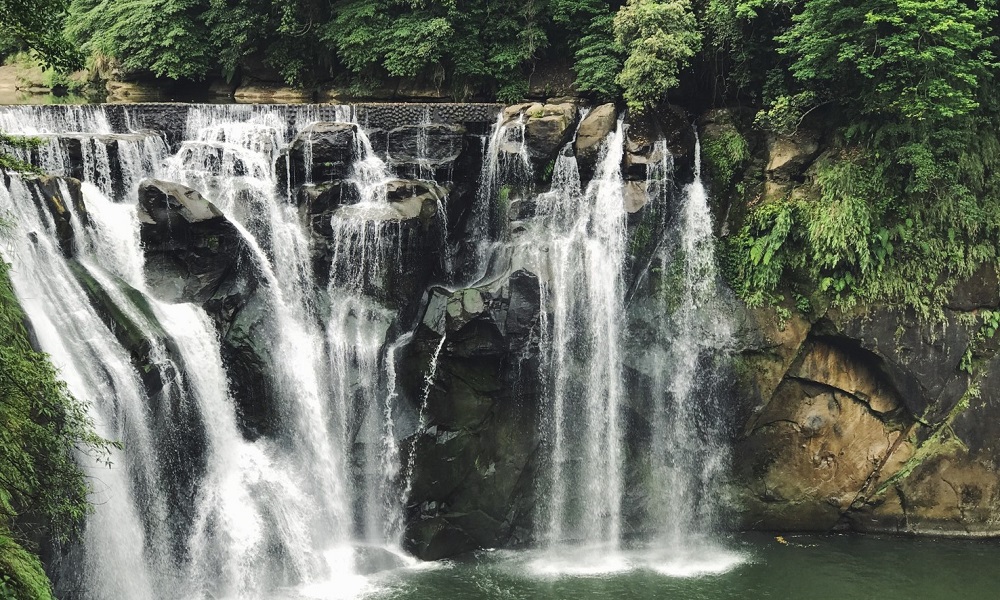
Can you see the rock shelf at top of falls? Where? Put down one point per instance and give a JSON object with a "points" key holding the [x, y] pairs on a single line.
{"points": [[337, 338]]}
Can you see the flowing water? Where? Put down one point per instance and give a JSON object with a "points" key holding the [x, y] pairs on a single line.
{"points": [[815, 567], [583, 233], [296, 510], [195, 507], [688, 455]]}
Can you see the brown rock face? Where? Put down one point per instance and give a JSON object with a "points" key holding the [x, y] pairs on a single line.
{"points": [[788, 156], [868, 420], [596, 126], [821, 442]]}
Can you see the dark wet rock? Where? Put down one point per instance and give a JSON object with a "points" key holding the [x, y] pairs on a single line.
{"points": [[79, 149], [981, 290], [138, 339], [547, 128], [180, 430], [320, 153], [317, 203], [62, 198], [247, 355], [426, 149], [195, 254], [919, 358], [399, 266], [192, 251], [473, 483]]}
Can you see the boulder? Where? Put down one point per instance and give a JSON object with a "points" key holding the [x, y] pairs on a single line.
{"points": [[810, 454], [547, 128], [473, 480], [318, 201], [320, 153], [951, 486], [789, 156], [870, 420], [195, 254], [413, 198], [921, 359], [192, 250], [166, 205], [594, 128], [635, 196]]}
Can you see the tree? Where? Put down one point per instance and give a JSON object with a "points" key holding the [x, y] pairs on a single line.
{"points": [[38, 26], [41, 428], [659, 38], [590, 29], [916, 59], [167, 38]]}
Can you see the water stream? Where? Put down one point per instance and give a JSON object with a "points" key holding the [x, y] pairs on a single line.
{"points": [[196, 508]]}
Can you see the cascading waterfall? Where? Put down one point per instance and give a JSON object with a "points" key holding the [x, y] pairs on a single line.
{"points": [[99, 372], [688, 454], [576, 242], [267, 513], [506, 169], [308, 506], [230, 159]]}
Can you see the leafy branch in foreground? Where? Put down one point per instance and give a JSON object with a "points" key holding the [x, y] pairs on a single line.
{"points": [[13, 143], [43, 432]]}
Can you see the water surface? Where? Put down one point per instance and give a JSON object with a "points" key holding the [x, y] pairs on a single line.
{"points": [[814, 567]]}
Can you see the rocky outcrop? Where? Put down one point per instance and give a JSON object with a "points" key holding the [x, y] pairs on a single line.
{"points": [[547, 128], [596, 126], [473, 470], [871, 420], [191, 248], [195, 254], [788, 156], [426, 150], [322, 152], [50, 194]]}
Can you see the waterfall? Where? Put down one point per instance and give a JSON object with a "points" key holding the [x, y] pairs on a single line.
{"points": [[98, 371], [688, 454], [506, 170], [208, 500], [576, 242], [262, 515]]}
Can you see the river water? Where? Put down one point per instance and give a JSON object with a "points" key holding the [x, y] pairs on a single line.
{"points": [[841, 567]]}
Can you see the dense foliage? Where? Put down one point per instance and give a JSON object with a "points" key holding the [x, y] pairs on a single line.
{"points": [[906, 201], [468, 47], [42, 429], [37, 25]]}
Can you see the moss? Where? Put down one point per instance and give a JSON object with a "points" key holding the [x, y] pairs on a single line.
{"points": [[942, 442], [21, 572], [669, 285], [725, 153], [503, 198]]}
